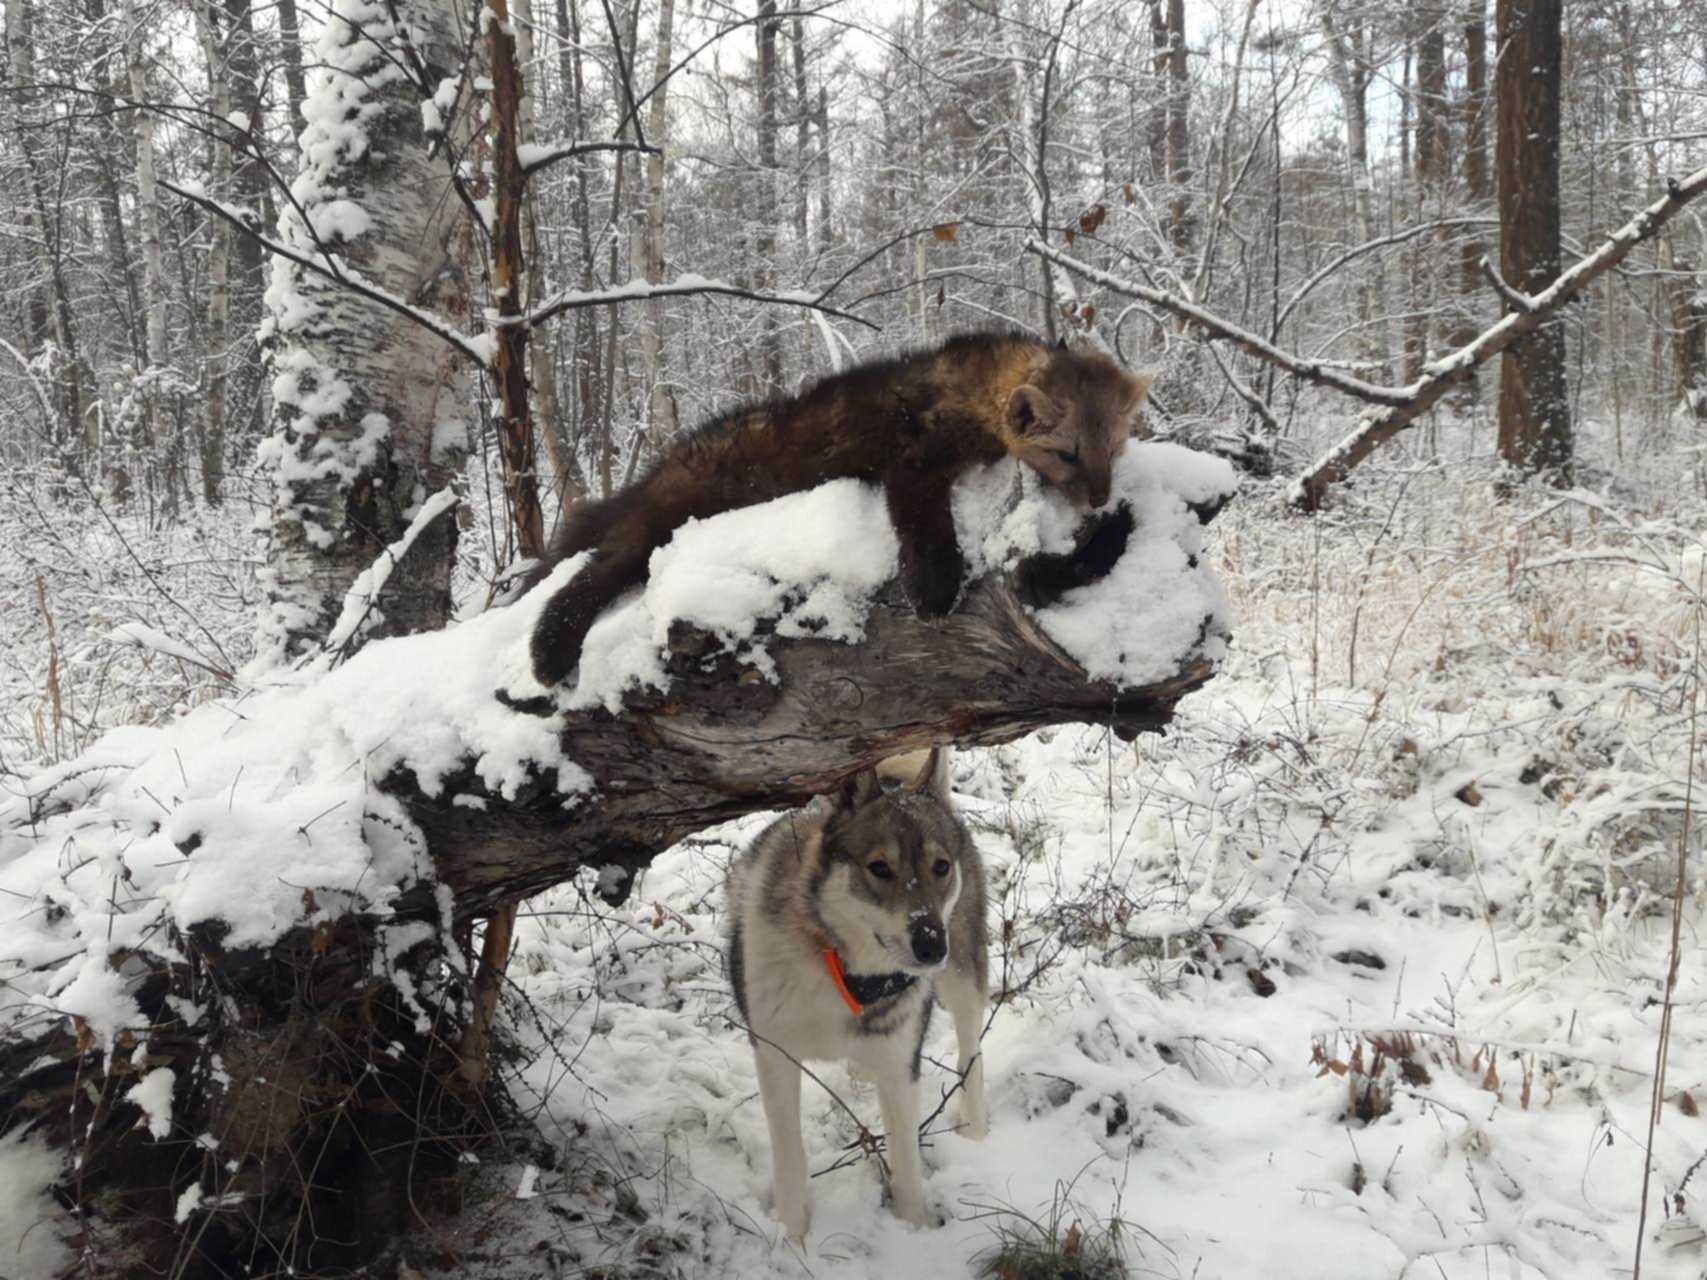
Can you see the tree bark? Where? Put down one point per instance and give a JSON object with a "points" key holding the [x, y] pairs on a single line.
{"points": [[767, 209], [1179, 134], [1475, 162], [661, 423], [219, 258], [368, 405], [1534, 407], [516, 441]]}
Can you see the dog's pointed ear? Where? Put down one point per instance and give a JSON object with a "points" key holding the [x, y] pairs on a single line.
{"points": [[927, 781], [857, 789]]}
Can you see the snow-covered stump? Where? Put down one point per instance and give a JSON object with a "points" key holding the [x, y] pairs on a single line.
{"points": [[229, 941]]}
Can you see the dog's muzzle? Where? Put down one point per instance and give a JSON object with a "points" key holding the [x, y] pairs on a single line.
{"points": [[930, 943]]}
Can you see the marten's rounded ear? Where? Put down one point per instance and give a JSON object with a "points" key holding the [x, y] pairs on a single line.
{"points": [[1061, 343], [857, 789], [1138, 387], [1030, 412]]}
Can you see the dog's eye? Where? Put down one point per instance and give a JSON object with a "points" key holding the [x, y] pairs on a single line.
{"points": [[880, 870], [941, 866]]}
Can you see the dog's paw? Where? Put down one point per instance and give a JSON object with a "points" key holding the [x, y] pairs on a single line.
{"points": [[792, 1215]]}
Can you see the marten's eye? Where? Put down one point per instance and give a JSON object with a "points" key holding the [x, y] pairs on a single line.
{"points": [[1069, 456], [941, 866], [880, 869]]}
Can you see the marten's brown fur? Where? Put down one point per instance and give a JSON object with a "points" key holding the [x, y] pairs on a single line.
{"points": [[914, 424]]}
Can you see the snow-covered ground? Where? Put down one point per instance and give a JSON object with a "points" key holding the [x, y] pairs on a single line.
{"points": [[1357, 972]]}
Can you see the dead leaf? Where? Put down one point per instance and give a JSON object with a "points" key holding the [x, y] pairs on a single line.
{"points": [[1127, 191], [657, 915], [1070, 237], [1092, 218], [947, 232], [1469, 794], [1686, 1104], [1491, 1079], [1074, 1242], [1261, 983]]}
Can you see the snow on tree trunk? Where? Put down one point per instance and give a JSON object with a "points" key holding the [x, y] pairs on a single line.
{"points": [[1534, 410], [368, 406]]}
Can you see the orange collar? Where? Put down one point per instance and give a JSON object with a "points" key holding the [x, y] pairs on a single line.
{"points": [[838, 975], [863, 989]]}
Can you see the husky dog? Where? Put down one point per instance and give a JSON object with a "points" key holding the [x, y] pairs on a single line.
{"points": [[847, 918]]}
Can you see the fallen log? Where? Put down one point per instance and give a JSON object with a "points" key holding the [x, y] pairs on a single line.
{"points": [[231, 941]]}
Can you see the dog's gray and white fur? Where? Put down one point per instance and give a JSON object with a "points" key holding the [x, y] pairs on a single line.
{"points": [[892, 883]]}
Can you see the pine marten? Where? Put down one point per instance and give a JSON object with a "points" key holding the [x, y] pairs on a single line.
{"points": [[915, 424]]}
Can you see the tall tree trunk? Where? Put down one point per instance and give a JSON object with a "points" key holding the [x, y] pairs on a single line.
{"points": [[767, 210], [1688, 290], [214, 52], [660, 402], [148, 386], [802, 132], [1350, 72], [1476, 189], [542, 362], [290, 49], [823, 169], [49, 305], [1433, 134], [589, 382], [368, 405], [1179, 136], [1534, 413], [509, 277]]}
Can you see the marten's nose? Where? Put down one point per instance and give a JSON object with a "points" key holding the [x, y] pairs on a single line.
{"points": [[1098, 490]]}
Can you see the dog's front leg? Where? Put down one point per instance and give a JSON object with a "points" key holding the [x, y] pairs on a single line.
{"points": [[779, 1091], [898, 1097], [967, 1004]]}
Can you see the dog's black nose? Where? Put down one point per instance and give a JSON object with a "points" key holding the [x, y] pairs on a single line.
{"points": [[929, 943]]}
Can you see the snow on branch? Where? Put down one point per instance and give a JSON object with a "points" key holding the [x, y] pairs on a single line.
{"points": [[477, 349], [1213, 325], [1379, 426], [681, 287], [1398, 407], [363, 596], [539, 155]]}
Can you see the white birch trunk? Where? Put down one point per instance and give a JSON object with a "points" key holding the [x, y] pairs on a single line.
{"points": [[369, 408]]}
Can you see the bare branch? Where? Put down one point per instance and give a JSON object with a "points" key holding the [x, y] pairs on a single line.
{"points": [[327, 266], [1517, 301], [544, 154], [1310, 493], [682, 287], [1215, 327]]}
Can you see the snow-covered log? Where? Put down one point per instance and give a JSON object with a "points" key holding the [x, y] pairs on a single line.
{"points": [[230, 941]]}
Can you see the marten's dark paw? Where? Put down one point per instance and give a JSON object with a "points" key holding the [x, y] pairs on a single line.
{"points": [[1043, 579], [557, 638]]}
